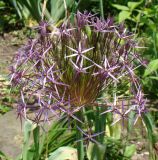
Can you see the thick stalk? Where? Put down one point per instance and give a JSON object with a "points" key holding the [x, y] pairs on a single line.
{"points": [[79, 136], [101, 9], [97, 123], [36, 136], [100, 125], [103, 125]]}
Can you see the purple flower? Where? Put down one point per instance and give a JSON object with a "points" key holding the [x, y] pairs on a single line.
{"points": [[68, 68]]}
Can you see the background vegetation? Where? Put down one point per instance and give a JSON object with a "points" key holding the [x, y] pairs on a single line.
{"points": [[140, 17]]}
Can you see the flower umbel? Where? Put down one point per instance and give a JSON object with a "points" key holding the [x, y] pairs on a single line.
{"points": [[68, 68]]}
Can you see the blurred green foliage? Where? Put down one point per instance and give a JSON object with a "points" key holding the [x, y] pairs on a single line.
{"points": [[142, 18], [6, 97], [40, 144], [49, 144], [9, 19]]}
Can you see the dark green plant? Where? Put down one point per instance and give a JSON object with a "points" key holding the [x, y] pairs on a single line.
{"points": [[127, 11], [52, 10], [143, 16], [6, 96], [8, 19], [3, 156], [50, 144], [45, 143]]}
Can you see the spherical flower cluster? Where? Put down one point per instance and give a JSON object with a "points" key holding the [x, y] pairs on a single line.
{"points": [[68, 67]]}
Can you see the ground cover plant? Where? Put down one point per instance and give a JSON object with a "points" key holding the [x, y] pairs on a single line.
{"points": [[73, 71]]}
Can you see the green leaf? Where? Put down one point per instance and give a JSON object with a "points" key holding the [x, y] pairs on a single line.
{"points": [[28, 128], [149, 124], [129, 151], [17, 6], [64, 153], [116, 130], [152, 77], [120, 7], [29, 7], [88, 31], [57, 136], [36, 137], [152, 66], [131, 120], [2, 4], [4, 109], [58, 8], [96, 151], [123, 15], [3, 156], [133, 5]]}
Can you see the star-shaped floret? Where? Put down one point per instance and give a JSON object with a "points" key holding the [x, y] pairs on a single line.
{"points": [[88, 136], [79, 53], [106, 69]]}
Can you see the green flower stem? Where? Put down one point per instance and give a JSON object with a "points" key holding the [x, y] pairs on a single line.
{"points": [[97, 123], [103, 125], [102, 9], [36, 136], [79, 136], [100, 126]]}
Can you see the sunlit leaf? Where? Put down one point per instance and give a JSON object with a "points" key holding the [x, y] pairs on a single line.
{"points": [[152, 77], [120, 7], [129, 151], [131, 120], [149, 124], [96, 151], [58, 8], [3, 156], [64, 153], [28, 128], [152, 66], [123, 15], [133, 5]]}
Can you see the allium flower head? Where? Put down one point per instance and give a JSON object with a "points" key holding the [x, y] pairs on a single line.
{"points": [[72, 65]]}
